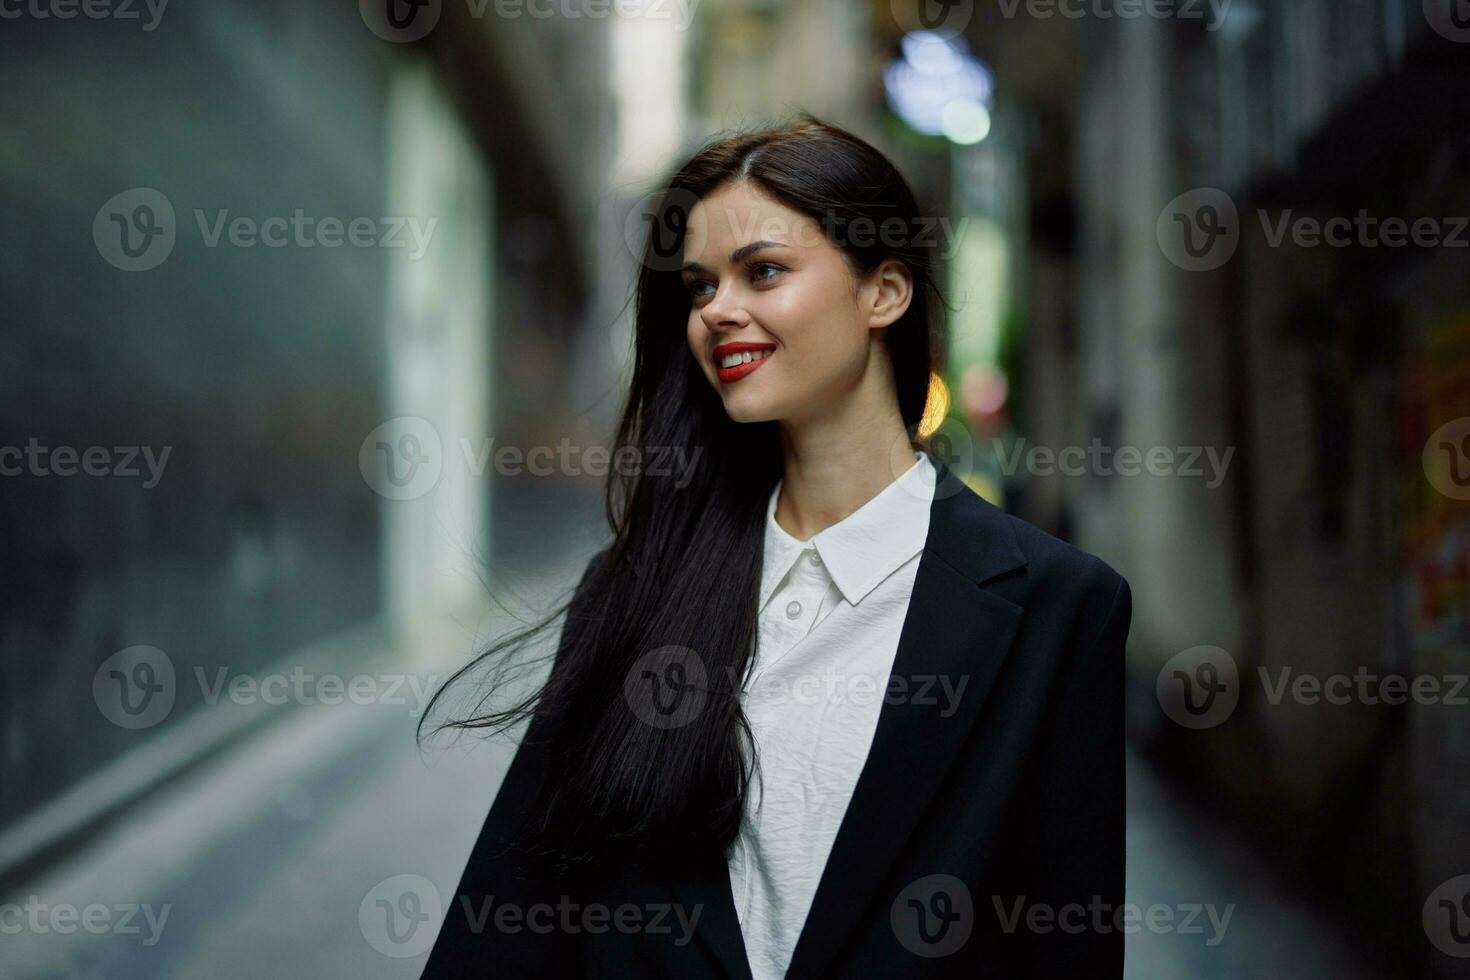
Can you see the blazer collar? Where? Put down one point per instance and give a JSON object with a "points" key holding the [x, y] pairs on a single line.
{"points": [[954, 627]]}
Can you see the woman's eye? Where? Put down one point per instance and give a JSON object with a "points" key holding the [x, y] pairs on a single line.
{"points": [[697, 288], [757, 271]]}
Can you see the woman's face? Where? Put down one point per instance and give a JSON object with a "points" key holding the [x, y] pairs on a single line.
{"points": [[767, 285]]}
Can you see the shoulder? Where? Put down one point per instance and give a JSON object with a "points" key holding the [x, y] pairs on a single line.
{"points": [[1057, 572], [1061, 558], [1079, 606]]}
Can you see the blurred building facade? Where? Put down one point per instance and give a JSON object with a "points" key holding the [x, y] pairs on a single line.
{"points": [[322, 421], [1326, 548], [289, 278]]}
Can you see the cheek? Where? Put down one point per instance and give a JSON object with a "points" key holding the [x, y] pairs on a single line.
{"points": [[820, 323]]}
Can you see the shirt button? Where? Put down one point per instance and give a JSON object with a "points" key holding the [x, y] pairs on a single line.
{"points": [[816, 558], [793, 609]]}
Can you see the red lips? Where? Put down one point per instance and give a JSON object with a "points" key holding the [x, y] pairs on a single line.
{"points": [[740, 370]]}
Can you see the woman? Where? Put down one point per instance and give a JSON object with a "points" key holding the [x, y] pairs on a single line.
{"points": [[819, 710]]}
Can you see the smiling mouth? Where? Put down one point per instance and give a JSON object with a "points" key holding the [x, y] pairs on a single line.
{"points": [[738, 364]]}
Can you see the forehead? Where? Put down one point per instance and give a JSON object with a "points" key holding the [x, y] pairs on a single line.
{"points": [[739, 213]]}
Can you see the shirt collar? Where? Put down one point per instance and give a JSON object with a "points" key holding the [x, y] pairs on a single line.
{"points": [[866, 546]]}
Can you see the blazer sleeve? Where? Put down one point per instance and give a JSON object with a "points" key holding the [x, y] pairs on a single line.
{"points": [[1076, 807], [473, 942]]}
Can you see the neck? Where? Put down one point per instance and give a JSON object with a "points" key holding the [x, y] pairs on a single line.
{"points": [[836, 464]]}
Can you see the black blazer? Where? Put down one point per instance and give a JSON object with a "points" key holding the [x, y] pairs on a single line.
{"points": [[985, 840]]}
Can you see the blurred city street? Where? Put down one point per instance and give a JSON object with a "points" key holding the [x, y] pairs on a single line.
{"points": [[319, 326]]}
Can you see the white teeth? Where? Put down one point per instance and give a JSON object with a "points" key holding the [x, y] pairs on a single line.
{"points": [[744, 357]]}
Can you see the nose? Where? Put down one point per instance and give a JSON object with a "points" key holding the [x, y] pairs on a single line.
{"points": [[724, 311]]}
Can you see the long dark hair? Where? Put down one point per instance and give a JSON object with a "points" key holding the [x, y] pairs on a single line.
{"points": [[671, 604]]}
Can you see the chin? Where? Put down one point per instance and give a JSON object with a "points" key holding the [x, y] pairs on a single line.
{"points": [[747, 415], [749, 407]]}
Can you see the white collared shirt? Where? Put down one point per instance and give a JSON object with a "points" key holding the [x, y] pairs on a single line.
{"points": [[831, 610]]}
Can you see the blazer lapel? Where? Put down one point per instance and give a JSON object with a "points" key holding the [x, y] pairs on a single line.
{"points": [[704, 885], [956, 630], [953, 629]]}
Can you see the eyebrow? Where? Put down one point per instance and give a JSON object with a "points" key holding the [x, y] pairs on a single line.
{"points": [[738, 254]]}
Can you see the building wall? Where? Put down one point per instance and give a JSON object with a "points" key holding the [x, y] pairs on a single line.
{"points": [[1326, 551], [258, 370]]}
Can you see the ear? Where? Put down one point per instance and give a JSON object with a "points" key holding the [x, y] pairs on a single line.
{"points": [[890, 289]]}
